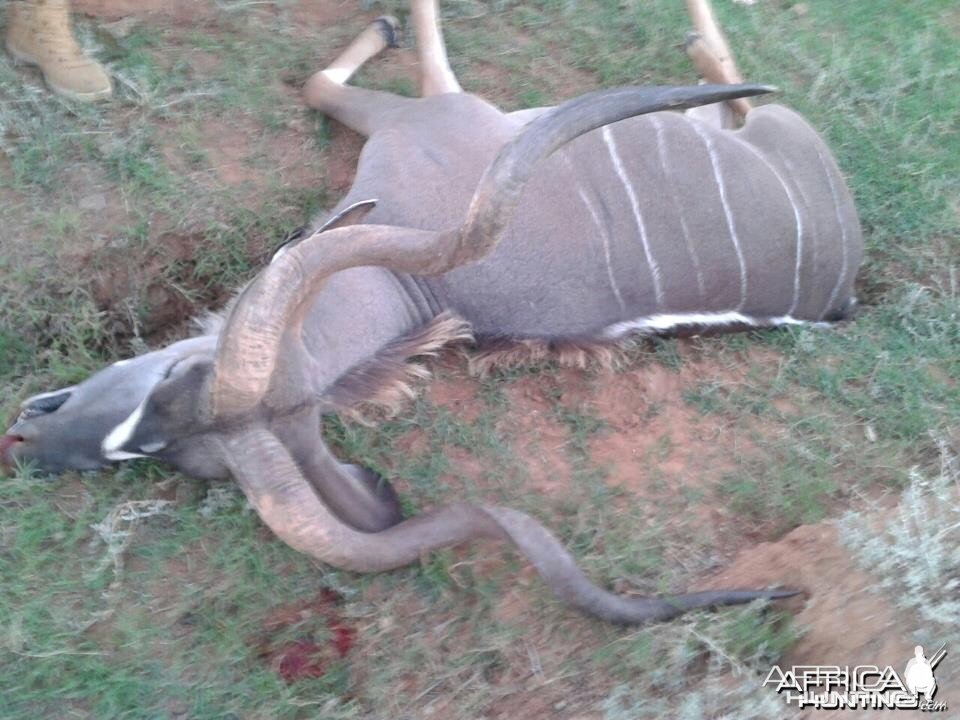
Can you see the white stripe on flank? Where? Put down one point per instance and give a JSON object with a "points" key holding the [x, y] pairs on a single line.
{"points": [[843, 234], [805, 200], [665, 166], [728, 213], [797, 219], [635, 205], [666, 322], [121, 434], [600, 229]]}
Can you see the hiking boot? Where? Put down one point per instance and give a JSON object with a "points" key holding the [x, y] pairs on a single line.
{"points": [[38, 32]]}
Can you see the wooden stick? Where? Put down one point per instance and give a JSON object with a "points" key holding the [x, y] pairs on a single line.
{"points": [[705, 23], [712, 69]]}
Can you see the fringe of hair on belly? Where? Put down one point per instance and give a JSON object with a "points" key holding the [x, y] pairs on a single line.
{"points": [[380, 386], [492, 354]]}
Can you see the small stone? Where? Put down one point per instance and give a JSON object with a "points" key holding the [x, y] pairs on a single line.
{"points": [[800, 9]]}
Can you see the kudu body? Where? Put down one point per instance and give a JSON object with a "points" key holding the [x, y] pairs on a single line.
{"points": [[583, 225]]}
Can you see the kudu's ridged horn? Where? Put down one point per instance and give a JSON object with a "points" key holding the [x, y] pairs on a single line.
{"points": [[272, 481], [275, 304], [277, 299]]}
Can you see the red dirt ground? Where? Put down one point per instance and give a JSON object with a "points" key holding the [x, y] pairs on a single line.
{"points": [[846, 621]]}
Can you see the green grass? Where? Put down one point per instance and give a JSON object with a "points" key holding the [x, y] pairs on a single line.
{"points": [[156, 633], [819, 419], [914, 556]]}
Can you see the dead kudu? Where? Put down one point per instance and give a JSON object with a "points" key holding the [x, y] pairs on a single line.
{"points": [[566, 228]]}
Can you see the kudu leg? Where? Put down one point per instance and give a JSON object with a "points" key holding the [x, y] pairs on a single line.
{"points": [[707, 48], [436, 77], [376, 37], [359, 109]]}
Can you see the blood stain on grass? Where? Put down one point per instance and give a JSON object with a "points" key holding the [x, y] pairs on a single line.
{"points": [[301, 659], [342, 638], [306, 657]]}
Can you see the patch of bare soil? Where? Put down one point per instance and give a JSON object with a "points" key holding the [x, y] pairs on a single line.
{"points": [[652, 443], [242, 154], [845, 620], [341, 161], [144, 291], [651, 424], [310, 14], [541, 439]]}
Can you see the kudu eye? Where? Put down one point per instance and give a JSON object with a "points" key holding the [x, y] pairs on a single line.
{"points": [[44, 404]]}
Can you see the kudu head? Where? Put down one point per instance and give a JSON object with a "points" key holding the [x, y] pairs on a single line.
{"points": [[66, 429], [231, 406]]}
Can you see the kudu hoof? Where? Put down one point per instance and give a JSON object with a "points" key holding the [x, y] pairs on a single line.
{"points": [[389, 27]]}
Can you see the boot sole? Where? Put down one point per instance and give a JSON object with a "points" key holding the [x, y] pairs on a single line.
{"points": [[29, 59], [74, 95]]}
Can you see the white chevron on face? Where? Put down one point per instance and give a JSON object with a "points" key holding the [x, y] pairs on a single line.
{"points": [[121, 434]]}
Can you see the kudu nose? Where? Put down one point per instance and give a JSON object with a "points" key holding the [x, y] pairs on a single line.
{"points": [[7, 443]]}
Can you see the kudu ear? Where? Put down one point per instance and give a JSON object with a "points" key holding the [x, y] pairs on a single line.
{"points": [[350, 215], [174, 408]]}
